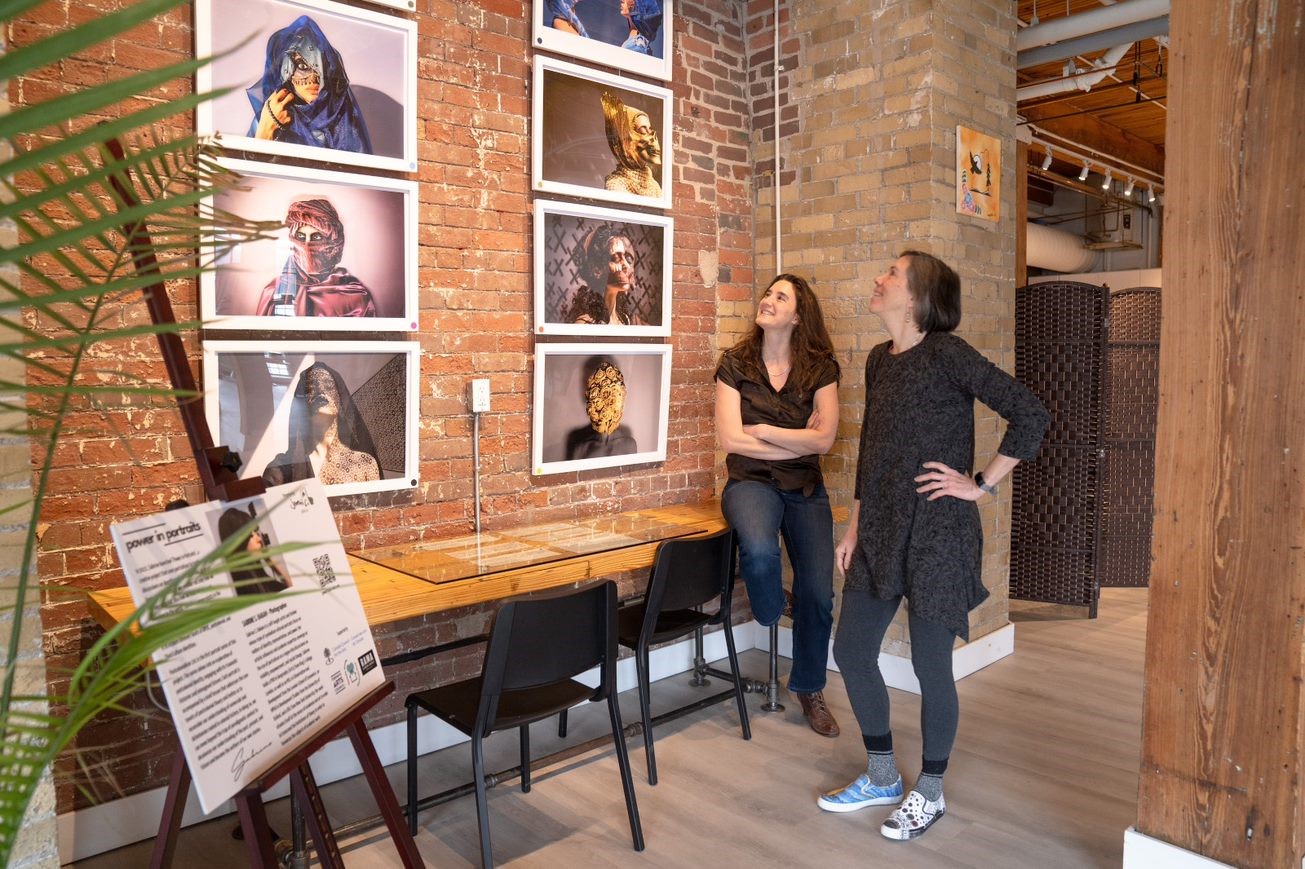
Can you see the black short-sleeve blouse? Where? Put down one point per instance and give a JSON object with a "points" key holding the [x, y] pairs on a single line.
{"points": [[789, 407]]}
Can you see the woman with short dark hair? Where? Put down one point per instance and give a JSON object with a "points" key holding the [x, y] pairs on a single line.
{"points": [[776, 414], [914, 530]]}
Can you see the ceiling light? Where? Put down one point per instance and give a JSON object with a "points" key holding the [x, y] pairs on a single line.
{"points": [[1150, 194], [1105, 182], [1082, 176], [1128, 188], [1046, 161]]}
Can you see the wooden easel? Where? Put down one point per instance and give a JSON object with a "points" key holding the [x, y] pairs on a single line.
{"points": [[217, 471]]}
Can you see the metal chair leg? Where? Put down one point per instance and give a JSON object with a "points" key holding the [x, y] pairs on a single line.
{"points": [[525, 758], [482, 802], [412, 770], [738, 681], [699, 678], [772, 703]]}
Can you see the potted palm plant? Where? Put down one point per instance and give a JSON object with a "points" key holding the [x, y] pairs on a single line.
{"points": [[64, 282]]}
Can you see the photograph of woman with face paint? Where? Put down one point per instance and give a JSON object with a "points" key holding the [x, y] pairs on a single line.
{"points": [[316, 81], [342, 412], [599, 405], [344, 260], [599, 136]]}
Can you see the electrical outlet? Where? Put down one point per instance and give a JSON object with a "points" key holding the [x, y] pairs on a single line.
{"points": [[480, 395]]}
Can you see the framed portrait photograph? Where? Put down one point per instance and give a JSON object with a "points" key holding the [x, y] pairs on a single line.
{"points": [[599, 271], [343, 412], [599, 136], [599, 405], [312, 79], [345, 260], [630, 35]]}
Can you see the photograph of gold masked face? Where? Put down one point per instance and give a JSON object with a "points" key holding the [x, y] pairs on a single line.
{"points": [[600, 137]]}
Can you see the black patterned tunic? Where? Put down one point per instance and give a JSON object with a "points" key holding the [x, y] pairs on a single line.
{"points": [[920, 408]]}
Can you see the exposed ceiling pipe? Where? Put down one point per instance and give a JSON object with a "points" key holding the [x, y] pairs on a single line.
{"points": [[1129, 33], [1105, 66], [1092, 21]]}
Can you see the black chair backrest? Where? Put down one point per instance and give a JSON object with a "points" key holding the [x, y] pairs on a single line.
{"points": [[550, 637], [690, 572]]}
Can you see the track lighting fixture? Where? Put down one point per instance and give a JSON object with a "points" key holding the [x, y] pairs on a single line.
{"points": [[1046, 161], [1082, 175], [1131, 178], [1128, 188], [1105, 182], [1150, 194]]}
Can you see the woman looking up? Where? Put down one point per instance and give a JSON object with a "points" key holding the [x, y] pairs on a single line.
{"points": [[914, 530], [776, 414]]}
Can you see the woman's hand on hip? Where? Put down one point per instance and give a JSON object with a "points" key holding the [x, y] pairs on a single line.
{"points": [[941, 481]]}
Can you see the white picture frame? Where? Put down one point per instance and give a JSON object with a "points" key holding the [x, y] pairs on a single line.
{"points": [[568, 267], [570, 154], [378, 265], [377, 52], [563, 436], [257, 405], [607, 31]]}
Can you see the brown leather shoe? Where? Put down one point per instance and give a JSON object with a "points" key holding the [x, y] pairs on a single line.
{"points": [[818, 714]]}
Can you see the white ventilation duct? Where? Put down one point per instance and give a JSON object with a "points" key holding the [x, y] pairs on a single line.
{"points": [[1104, 66], [1057, 250], [1092, 21]]}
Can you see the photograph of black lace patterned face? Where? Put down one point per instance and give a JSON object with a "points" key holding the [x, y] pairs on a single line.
{"points": [[601, 272], [345, 413], [599, 136], [629, 35]]}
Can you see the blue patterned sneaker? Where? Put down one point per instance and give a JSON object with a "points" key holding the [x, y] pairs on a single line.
{"points": [[913, 816], [860, 794]]}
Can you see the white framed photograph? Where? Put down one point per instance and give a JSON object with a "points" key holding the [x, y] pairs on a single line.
{"points": [[601, 272], [629, 35], [599, 136], [344, 412], [346, 259], [313, 79], [599, 406]]}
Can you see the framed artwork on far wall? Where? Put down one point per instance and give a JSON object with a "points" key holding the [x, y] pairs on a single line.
{"points": [[599, 406], [312, 79], [630, 35], [601, 272], [599, 136], [346, 259], [344, 412]]}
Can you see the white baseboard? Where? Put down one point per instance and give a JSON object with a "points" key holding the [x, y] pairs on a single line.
{"points": [[87, 832], [1143, 852]]}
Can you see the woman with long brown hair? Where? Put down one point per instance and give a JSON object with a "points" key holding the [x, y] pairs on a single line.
{"points": [[776, 414]]}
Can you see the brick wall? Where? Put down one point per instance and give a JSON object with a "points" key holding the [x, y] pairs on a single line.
{"points": [[870, 96], [475, 303]]}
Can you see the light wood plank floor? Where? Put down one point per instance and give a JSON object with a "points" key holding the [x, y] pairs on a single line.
{"points": [[1044, 774]]}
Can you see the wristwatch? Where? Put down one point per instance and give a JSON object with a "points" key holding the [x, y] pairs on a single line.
{"points": [[987, 487]]}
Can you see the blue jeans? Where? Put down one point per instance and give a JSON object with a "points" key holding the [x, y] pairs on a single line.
{"points": [[760, 513]]}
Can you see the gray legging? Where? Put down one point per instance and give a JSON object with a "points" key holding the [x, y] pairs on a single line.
{"points": [[861, 626]]}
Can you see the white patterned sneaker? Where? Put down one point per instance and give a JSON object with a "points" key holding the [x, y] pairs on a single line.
{"points": [[860, 794], [913, 816]]}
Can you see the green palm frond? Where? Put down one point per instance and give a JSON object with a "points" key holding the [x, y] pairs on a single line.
{"points": [[62, 292]]}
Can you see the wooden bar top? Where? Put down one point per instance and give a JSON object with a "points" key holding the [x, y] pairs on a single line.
{"points": [[390, 595]]}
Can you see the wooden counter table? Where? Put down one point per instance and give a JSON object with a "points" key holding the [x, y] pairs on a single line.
{"points": [[402, 582]]}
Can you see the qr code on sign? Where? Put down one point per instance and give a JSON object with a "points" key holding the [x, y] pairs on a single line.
{"points": [[325, 572]]}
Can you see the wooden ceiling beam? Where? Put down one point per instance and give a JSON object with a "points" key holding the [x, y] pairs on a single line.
{"points": [[1099, 136]]}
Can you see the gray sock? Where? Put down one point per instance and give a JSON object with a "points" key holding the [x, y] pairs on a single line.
{"points": [[929, 786], [882, 768]]}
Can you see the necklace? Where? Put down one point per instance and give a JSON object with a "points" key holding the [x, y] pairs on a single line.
{"points": [[918, 339], [781, 373]]}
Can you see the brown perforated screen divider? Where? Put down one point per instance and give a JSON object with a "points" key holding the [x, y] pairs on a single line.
{"points": [[1132, 393], [1060, 347]]}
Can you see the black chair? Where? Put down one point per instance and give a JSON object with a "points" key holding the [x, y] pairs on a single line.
{"points": [[686, 575], [537, 644]]}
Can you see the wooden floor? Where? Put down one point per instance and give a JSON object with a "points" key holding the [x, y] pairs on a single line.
{"points": [[1044, 774]]}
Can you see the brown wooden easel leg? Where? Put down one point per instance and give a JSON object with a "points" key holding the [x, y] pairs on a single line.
{"points": [[310, 801], [165, 844], [384, 794], [258, 836]]}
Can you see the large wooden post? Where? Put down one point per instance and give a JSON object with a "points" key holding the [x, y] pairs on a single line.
{"points": [[1224, 720]]}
